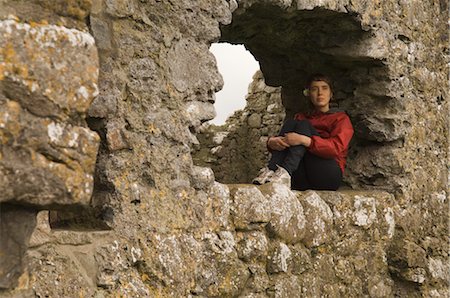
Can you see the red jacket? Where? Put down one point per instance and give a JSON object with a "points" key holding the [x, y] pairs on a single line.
{"points": [[335, 131]]}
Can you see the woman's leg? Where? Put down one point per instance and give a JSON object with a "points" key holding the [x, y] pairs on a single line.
{"points": [[317, 174], [299, 181], [278, 157], [290, 158], [296, 153]]}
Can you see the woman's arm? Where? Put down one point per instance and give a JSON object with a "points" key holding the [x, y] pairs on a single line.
{"points": [[340, 137], [295, 139], [277, 143]]}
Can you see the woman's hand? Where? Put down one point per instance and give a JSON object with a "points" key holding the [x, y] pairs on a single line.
{"points": [[295, 139], [277, 143]]}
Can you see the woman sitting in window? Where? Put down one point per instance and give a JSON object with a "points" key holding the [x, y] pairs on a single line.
{"points": [[311, 149]]}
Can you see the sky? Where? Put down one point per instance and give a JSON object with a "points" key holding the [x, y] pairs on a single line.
{"points": [[237, 67]]}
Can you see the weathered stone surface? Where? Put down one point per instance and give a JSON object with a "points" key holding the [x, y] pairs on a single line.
{"points": [[199, 112], [221, 205], [252, 245], [287, 220], [102, 33], [242, 151], [250, 207], [319, 220], [58, 57], [279, 259], [254, 121], [225, 276], [202, 178], [421, 261], [286, 286], [175, 235], [42, 232], [48, 78], [16, 226]]}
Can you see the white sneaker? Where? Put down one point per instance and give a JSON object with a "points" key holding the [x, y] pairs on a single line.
{"points": [[281, 176], [263, 176]]}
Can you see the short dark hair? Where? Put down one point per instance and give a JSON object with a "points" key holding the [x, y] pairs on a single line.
{"points": [[319, 77]]}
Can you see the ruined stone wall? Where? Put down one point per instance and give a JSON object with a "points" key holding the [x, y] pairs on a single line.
{"points": [[237, 150], [159, 225], [48, 79]]}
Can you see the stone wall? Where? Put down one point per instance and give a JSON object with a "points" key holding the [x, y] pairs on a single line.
{"points": [[149, 222], [48, 79], [237, 150]]}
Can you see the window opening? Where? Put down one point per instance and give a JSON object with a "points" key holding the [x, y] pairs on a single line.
{"points": [[237, 67], [289, 47]]}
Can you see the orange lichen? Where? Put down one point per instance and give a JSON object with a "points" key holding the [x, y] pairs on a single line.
{"points": [[152, 128], [2, 72], [184, 194], [23, 281], [170, 90], [9, 53], [13, 17], [34, 24], [21, 70], [4, 139], [13, 109]]}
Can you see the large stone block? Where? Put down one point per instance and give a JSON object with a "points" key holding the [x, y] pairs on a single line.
{"points": [[280, 258], [252, 245], [250, 207], [48, 78], [287, 220], [319, 219]]}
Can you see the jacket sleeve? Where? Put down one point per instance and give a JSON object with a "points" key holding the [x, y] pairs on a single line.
{"points": [[336, 143]]}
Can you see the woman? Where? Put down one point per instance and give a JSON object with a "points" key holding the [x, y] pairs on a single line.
{"points": [[310, 151]]}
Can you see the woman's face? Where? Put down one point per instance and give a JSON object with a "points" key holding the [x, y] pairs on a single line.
{"points": [[320, 95]]}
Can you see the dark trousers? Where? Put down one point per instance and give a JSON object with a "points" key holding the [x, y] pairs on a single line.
{"points": [[307, 170]]}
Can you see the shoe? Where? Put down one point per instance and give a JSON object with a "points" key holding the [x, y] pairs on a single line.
{"points": [[263, 176], [281, 176]]}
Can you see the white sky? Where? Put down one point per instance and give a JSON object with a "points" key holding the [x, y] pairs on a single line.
{"points": [[237, 67]]}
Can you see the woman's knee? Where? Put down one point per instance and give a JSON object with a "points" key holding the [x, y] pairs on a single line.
{"points": [[288, 126], [291, 123], [304, 127]]}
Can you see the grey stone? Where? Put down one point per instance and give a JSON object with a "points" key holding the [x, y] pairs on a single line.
{"points": [[202, 178], [250, 207], [101, 32], [252, 245], [198, 112], [280, 259], [185, 74], [254, 120], [120, 8], [16, 226], [287, 220], [47, 143], [42, 232], [319, 220], [220, 204]]}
